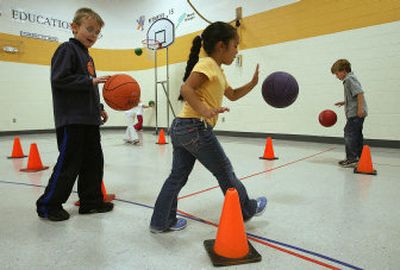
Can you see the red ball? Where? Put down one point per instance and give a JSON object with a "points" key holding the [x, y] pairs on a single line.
{"points": [[121, 92], [327, 118]]}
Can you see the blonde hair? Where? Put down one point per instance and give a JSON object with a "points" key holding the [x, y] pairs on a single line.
{"points": [[341, 65], [84, 13]]}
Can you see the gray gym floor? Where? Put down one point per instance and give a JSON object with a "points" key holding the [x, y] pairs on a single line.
{"points": [[319, 216]]}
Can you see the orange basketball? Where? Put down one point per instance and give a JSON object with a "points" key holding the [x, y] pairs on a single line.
{"points": [[121, 92]]}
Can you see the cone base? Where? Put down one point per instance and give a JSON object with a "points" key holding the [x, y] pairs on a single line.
{"points": [[11, 157], [34, 170], [161, 143], [268, 158], [217, 260], [370, 173], [109, 197]]}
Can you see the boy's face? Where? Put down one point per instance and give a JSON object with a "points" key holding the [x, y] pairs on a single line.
{"points": [[341, 74], [87, 32]]}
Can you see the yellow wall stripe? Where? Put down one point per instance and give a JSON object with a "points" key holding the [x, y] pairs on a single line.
{"points": [[304, 19]]}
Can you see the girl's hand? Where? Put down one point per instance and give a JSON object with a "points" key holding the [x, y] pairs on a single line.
{"points": [[210, 113], [254, 80], [101, 79]]}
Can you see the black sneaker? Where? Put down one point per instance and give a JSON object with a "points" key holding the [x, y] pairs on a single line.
{"points": [[342, 162], [350, 163], [55, 215], [101, 208]]}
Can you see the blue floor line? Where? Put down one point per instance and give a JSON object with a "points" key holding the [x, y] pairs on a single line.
{"points": [[204, 221]]}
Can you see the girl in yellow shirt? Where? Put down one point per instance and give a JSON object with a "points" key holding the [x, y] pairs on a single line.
{"points": [[192, 131]]}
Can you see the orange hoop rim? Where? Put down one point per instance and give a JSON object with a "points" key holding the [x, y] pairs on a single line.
{"points": [[152, 44]]}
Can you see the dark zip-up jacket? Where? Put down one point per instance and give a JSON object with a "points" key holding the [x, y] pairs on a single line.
{"points": [[75, 99]]}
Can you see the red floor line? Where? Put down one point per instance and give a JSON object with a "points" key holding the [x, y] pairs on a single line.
{"points": [[258, 173], [266, 243]]}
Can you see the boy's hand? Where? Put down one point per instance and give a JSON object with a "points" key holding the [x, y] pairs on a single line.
{"points": [[360, 113], [101, 79], [210, 113], [103, 116], [340, 103]]}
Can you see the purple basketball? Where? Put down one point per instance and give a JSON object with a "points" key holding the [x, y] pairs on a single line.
{"points": [[280, 89]]}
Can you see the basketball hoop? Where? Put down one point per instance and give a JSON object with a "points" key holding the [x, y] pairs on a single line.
{"points": [[152, 44]]}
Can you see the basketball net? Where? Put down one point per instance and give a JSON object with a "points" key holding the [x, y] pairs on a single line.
{"points": [[150, 48]]}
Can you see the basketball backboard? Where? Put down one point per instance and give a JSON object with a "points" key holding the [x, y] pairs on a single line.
{"points": [[163, 32]]}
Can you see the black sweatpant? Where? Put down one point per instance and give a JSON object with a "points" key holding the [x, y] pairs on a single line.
{"points": [[80, 155]]}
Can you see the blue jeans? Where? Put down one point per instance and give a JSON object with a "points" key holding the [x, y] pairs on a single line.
{"points": [[192, 140], [353, 137]]}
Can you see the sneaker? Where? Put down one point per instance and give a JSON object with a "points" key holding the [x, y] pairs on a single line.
{"points": [[342, 162], [350, 163], [58, 214], [180, 224], [101, 208], [261, 205], [135, 142]]}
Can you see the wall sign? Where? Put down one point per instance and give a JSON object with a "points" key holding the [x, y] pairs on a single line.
{"points": [[25, 16], [38, 36]]}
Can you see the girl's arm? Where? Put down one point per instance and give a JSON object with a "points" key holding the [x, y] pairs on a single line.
{"points": [[188, 89], [235, 94]]}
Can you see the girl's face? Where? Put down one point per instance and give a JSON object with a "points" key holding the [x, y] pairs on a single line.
{"points": [[230, 51], [87, 32]]}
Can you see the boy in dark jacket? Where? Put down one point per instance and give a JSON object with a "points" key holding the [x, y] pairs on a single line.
{"points": [[78, 115]]}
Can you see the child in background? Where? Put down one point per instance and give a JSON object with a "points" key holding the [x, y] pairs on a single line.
{"points": [[131, 135], [192, 131], [139, 114], [356, 110], [78, 115]]}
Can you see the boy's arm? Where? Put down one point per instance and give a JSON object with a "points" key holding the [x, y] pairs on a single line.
{"points": [[340, 103], [360, 105], [103, 113], [235, 94], [62, 74]]}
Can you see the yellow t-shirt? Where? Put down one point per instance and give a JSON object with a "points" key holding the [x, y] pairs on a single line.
{"points": [[211, 92]]}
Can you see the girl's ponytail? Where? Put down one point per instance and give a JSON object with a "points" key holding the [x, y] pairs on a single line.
{"points": [[193, 58]]}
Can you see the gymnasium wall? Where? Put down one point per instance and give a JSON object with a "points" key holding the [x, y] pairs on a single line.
{"points": [[303, 38]]}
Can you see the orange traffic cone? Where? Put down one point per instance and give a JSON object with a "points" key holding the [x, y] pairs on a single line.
{"points": [[364, 165], [106, 197], [269, 150], [17, 149], [161, 137], [231, 245], [34, 161]]}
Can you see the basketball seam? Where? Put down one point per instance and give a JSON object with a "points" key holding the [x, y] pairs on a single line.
{"points": [[119, 85]]}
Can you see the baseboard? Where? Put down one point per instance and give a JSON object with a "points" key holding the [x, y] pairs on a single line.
{"points": [[278, 136]]}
